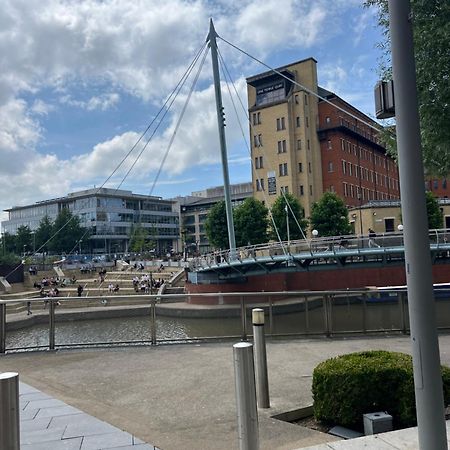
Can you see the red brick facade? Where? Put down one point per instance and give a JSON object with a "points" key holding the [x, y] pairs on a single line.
{"points": [[354, 163]]}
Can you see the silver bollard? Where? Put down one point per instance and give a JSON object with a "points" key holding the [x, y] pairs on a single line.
{"points": [[9, 411], [247, 412], [262, 382]]}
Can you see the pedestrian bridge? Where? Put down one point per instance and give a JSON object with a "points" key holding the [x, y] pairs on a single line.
{"points": [[313, 254]]}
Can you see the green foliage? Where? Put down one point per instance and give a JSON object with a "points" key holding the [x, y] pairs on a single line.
{"points": [[67, 232], [8, 243], [9, 259], [431, 26], [24, 240], [279, 217], [43, 234], [348, 386], [141, 239], [329, 216], [216, 226], [435, 218], [250, 222]]}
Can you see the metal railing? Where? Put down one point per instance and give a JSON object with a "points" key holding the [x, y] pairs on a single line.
{"points": [[320, 247], [289, 314]]}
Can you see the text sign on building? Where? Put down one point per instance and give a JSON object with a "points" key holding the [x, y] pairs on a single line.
{"points": [[271, 183], [271, 88]]}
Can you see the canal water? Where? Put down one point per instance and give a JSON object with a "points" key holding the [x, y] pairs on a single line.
{"points": [[342, 315]]}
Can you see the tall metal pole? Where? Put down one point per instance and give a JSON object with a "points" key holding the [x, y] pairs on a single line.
{"points": [[425, 344], [287, 226], [259, 339], [223, 146]]}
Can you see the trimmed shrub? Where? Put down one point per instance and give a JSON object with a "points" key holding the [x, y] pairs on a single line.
{"points": [[348, 386]]}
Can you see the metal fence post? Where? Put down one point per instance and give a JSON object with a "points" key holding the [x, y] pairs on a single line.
{"points": [[243, 319], [327, 314], [262, 382], [153, 321], [247, 412], [9, 411], [270, 315], [2, 327], [401, 303], [306, 314], [51, 323], [364, 308]]}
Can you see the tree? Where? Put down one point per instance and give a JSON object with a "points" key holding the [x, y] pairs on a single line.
{"points": [[431, 26], [43, 234], [434, 213], [329, 216], [8, 243], [138, 237], [216, 226], [67, 232], [287, 206], [24, 240], [250, 222]]}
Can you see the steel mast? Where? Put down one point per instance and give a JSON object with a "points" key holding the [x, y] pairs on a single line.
{"points": [[223, 146]]}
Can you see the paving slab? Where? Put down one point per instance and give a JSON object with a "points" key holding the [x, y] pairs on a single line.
{"points": [[182, 396]]}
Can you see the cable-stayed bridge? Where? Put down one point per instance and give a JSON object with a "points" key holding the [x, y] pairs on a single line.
{"points": [[383, 250]]}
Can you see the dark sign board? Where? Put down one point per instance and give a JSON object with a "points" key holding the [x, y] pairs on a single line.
{"points": [[271, 88]]}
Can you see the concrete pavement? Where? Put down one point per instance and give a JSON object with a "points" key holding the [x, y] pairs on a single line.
{"points": [[182, 396]]}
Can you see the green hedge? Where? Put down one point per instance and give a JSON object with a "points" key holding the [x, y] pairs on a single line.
{"points": [[348, 386]]}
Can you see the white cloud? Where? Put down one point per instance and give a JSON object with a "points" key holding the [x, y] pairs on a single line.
{"points": [[100, 102]]}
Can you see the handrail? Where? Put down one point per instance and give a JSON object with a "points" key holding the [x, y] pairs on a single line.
{"points": [[277, 304]]}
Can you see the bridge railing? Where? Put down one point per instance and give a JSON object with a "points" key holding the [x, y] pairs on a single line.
{"points": [[63, 323], [379, 243]]}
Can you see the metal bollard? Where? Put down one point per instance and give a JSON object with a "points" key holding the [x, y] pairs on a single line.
{"points": [[2, 327], [9, 411], [262, 383], [51, 324], [247, 412]]}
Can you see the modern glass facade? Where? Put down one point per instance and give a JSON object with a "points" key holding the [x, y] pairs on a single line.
{"points": [[110, 214]]}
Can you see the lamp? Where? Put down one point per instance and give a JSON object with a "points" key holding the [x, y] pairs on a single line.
{"points": [[400, 227], [315, 233]]}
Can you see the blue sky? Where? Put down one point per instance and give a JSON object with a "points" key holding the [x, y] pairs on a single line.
{"points": [[81, 80]]}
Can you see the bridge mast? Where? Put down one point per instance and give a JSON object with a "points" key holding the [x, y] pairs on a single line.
{"points": [[223, 146]]}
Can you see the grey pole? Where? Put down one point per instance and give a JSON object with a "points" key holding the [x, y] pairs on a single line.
{"points": [[262, 382], [2, 327], [223, 145], [425, 345], [9, 411], [51, 323], [247, 412]]}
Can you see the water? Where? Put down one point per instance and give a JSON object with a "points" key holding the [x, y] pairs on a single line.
{"points": [[346, 314]]}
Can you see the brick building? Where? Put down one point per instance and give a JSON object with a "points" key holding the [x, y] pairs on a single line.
{"points": [[302, 144]]}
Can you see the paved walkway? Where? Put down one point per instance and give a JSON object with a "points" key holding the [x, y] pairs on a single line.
{"points": [[47, 423], [182, 396]]}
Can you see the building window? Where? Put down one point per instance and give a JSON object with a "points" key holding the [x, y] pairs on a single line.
{"points": [[330, 166], [307, 143], [352, 191], [327, 119], [342, 145], [284, 189], [350, 169], [299, 144], [300, 167], [435, 184], [302, 192], [444, 184], [259, 162], [329, 144], [256, 118], [296, 99], [306, 99], [257, 140], [282, 146], [331, 189], [344, 167], [282, 169], [344, 185], [309, 167], [260, 184], [281, 125], [306, 122], [297, 121], [310, 189]]}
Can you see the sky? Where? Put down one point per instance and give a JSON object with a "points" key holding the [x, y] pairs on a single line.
{"points": [[81, 80]]}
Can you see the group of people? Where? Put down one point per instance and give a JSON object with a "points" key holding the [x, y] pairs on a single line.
{"points": [[113, 288], [146, 284]]}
